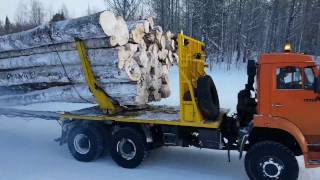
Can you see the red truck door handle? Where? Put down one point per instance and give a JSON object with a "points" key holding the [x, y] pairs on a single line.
{"points": [[277, 105]]}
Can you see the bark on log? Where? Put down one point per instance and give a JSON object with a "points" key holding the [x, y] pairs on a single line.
{"points": [[97, 57], [60, 74], [90, 44], [124, 93]]}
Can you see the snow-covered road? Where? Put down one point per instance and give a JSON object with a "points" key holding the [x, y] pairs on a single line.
{"points": [[28, 150]]}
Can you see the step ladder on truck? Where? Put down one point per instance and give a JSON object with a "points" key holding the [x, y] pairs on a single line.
{"points": [[262, 126]]}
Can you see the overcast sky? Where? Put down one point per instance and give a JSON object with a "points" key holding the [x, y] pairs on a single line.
{"points": [[76, 7]]}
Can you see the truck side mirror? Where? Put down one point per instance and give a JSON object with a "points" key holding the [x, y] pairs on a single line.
{"points": [[317, 85]]}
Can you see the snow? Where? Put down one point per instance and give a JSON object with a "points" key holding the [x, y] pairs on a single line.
{"points": [[29, 152], [228, 84]]}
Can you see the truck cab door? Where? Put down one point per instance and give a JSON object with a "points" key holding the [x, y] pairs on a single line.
{"points": [[293, 98]]}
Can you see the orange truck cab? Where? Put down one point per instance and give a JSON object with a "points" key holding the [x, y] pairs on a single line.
{"points": [[287, 108], [283, 117]]}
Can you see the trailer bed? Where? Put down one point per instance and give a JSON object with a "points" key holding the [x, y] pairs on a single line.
{"points": [[165, 115]]}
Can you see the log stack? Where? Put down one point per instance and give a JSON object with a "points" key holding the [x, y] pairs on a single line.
{"points": [[131, 61]]}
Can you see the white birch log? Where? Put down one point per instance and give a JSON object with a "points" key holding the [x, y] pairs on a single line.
{"points": [[141, 58], [48, 68], [137, 31], [170, 58], [125, 53], [98, 25], [163, 54], [150, 38], [97, 57], [89, 43], [121, 33], [132, 69], [125, 94], [60, 74]]}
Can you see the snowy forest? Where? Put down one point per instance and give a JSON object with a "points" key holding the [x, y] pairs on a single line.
{"points": [[233, 30]]}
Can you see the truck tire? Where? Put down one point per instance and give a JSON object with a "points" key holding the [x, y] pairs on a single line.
{"points": [[128, 147], [85, 143], [269, 160], [208, 99]]}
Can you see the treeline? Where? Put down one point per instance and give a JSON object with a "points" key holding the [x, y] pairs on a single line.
{"points": [[31, 13], [234, 30], [238, 29]]}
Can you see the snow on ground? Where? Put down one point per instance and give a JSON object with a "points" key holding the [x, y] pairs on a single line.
{"points": [[228, 84], [29, 152]]}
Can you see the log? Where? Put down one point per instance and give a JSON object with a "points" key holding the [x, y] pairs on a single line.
{"points": [[90, 44], [137, 31], [125, 53], [98, 25], [132, 69], [20, 89], [49, 68], [60, 74], [124, 93], [107, 57], [120, 33], [141, 58], [163, 54]]}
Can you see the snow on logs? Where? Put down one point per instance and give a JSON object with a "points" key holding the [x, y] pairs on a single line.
{"points": [[131, 61]]}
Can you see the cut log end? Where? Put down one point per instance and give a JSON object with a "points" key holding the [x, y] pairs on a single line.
{"points": [[132, 69], [138, 33], [108, 22], [121, 32]]}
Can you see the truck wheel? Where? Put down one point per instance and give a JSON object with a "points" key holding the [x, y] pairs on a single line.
{"points": [[85, 143], [208, 99], [128, 147], [270, 160]]}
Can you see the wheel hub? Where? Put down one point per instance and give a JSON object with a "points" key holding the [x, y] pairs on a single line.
{"points": [[82, 143], [272, 168], [126, 148]]}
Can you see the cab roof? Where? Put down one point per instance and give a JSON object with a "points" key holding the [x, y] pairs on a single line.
{"points": [[274, 58]]}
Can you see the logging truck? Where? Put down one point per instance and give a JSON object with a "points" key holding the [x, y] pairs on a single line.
{"points": [[276, 119]]}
